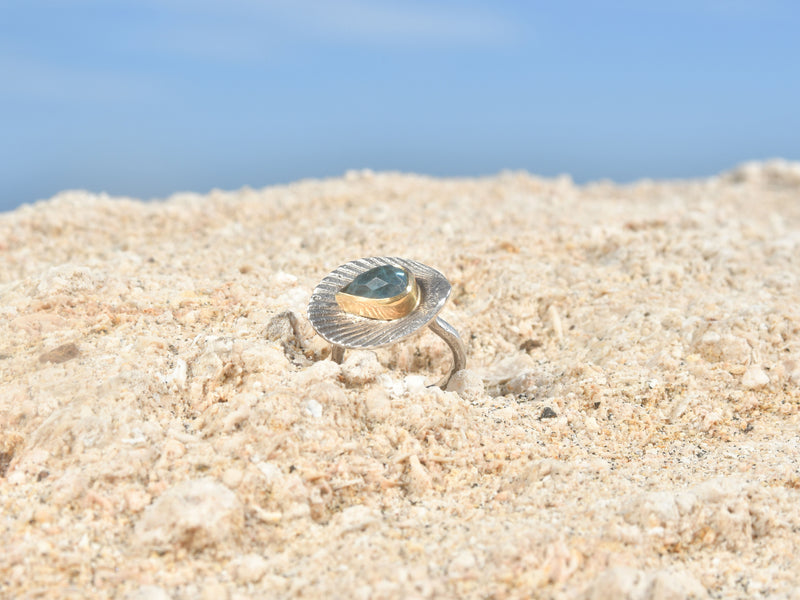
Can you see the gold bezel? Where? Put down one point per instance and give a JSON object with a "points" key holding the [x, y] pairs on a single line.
{"points": [[384, 309]]}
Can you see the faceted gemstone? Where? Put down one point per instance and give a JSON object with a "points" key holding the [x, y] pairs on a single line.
{"points": [[386, 281]]}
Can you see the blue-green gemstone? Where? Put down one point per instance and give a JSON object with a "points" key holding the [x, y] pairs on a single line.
{"points": [[381, 282]]}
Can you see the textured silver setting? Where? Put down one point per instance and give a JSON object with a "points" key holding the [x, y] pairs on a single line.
{"points": [[344, 330]]}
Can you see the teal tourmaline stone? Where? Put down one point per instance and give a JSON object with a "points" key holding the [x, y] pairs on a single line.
{"points": [[386, 281]]}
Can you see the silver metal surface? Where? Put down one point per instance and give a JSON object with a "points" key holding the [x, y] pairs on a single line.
{"points": [[448, 333], [344, 330]]}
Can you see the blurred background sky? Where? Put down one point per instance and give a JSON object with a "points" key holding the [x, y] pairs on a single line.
{"points": [[149, 97]]}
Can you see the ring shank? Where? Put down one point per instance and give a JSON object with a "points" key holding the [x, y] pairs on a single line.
{"points": [[445, 331], [448, 333]]}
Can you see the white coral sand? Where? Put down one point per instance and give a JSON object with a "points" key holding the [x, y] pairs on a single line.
{"points": [[627, 426]]}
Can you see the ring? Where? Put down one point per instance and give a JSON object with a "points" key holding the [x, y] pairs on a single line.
{"points": [[382, 300]]}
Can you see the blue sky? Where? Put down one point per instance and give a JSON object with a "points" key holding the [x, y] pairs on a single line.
{"points": [[149, 97]]}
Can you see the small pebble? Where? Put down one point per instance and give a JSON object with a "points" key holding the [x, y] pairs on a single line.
{"points": [[314, 408], [61, 354], [195, 513], [467, 384], [360, 367], [547, 413], [754, 377]]}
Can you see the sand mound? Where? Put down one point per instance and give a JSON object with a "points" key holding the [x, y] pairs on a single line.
{"points": [[627, 427]]}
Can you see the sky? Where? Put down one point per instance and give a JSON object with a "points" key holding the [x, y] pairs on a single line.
{"points": [[145, 98]]}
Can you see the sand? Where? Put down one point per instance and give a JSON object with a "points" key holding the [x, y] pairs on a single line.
{"points": [[627, 427]]}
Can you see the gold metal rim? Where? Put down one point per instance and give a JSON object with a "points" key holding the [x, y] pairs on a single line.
{"points": [[384, 309]]}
